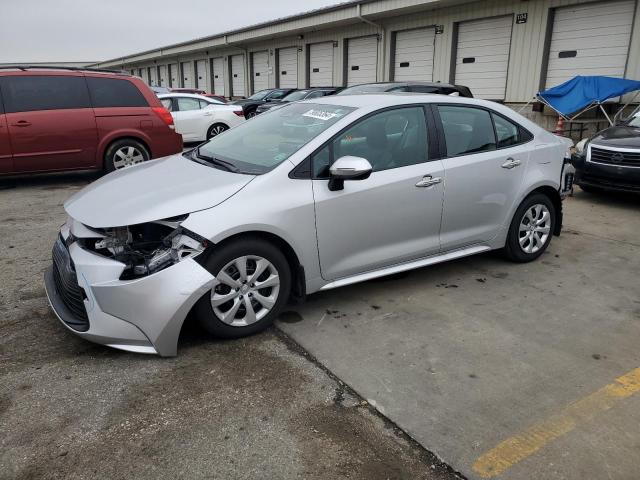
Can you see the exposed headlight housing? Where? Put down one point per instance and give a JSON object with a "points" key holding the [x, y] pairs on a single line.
{"points": [[149, 247]]}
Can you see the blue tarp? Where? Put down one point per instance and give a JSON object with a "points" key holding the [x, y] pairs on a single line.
{"points": [[579, 93]]}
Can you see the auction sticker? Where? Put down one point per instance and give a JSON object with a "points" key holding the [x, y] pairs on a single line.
{"points": [[319, 114]]}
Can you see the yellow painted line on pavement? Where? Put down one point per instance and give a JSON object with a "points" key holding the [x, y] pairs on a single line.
{"points": [[515, 449]]}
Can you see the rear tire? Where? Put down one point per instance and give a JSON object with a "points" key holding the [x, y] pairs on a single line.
{"points": [[216, 129], [531, 229], [125, 153], [253, 284]]}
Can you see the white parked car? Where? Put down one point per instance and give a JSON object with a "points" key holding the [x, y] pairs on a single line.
{"points": [[199, 118]]}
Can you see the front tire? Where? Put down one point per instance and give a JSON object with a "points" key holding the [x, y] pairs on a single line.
{"points": [[125, 153], [531, 229], [253, 283]]}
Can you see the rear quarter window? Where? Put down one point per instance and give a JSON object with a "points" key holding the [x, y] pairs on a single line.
{"points": [[44, 92], [115, 92]]}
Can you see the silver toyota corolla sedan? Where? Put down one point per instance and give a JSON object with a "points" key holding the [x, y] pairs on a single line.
{"points": [[312, 196]]}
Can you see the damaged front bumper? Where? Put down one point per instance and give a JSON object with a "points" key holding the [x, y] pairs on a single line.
{"points": [[143, 315]]}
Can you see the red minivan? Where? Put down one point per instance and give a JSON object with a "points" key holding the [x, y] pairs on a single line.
{"points": [[63, 119]]}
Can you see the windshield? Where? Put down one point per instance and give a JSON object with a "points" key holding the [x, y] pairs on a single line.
{"points": [[297, 95], [261, 144], [374, 87], [634, 121], [259, 95]]}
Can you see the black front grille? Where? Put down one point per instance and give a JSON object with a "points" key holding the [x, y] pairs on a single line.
{"points": [[614, 157], [70, 292]]}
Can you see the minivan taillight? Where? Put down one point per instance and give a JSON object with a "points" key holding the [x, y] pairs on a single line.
{"points": [[165, 116]]}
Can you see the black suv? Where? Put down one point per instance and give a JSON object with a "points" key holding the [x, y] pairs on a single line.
{"points": [[610, 160], [417, 87], [249, 105], [296, 95]]}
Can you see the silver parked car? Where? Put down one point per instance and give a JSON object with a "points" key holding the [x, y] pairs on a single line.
{"points": [[312, 196]]}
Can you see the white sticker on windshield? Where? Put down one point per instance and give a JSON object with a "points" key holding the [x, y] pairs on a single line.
{"points": [[320, 114]]}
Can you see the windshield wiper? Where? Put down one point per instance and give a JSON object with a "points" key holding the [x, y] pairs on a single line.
{"points": [[230, 167]]}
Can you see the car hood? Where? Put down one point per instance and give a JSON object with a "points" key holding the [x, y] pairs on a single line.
{"points": [[245, 101], [153, 190], [620, 136]]}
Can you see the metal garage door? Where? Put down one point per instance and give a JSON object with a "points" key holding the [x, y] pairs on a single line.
{"points": [[164, 76], [414, 55], [217, 71], [260, 70], [362, 60], [321, 64], [174, 76], [153, 76], [288, 67], [482, 56], [187, 74], [590, 39], [237, 76], [202, 81]]}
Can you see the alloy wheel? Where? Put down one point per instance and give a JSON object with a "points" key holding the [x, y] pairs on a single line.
{"points": [[127, 156], [246, 290], [216, 130], [535, 228]]}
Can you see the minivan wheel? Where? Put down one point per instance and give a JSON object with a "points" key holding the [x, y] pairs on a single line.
{"points": [[531, 229], [251, 114], [253, 282], [216, 129], [125, 153]]}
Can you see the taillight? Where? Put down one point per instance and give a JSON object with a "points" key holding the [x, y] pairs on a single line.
{"points": [[165, 116], [240, 113]]}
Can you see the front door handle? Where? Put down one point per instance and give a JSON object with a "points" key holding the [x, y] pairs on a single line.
{"points": [[511, 163], [428, 181], [21, 123]]}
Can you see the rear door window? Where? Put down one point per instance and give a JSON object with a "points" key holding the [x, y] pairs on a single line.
{"points": [[187, 103], [467, 130], [167, 103], [46, 92], [115, 92], [507, 133]]}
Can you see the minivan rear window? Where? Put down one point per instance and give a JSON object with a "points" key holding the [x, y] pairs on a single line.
{"points": [[47, 92], [115, 92]]}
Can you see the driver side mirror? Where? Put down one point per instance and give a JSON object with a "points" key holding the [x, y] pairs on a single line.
{"points": [[348, 168]]}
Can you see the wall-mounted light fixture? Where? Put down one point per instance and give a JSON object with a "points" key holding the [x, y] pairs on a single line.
{"points": [[300, 37], [335, 44]]}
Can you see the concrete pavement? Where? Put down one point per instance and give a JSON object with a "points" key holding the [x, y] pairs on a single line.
{"points": [[503, 370]]}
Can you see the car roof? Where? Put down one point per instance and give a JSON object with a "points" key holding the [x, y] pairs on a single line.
{"points": [[408, 82], [376, 101], [184, 94], [390, 99]]}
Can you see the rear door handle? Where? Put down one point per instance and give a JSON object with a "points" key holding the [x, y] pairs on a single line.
{"points": [[511, 163], [21, 123], [428, 181]]}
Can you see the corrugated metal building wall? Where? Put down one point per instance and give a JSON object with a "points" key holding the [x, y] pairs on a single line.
{"points": [[532, 24]]}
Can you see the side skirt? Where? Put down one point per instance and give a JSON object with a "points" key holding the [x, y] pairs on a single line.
{"points": [[403, 267]]}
